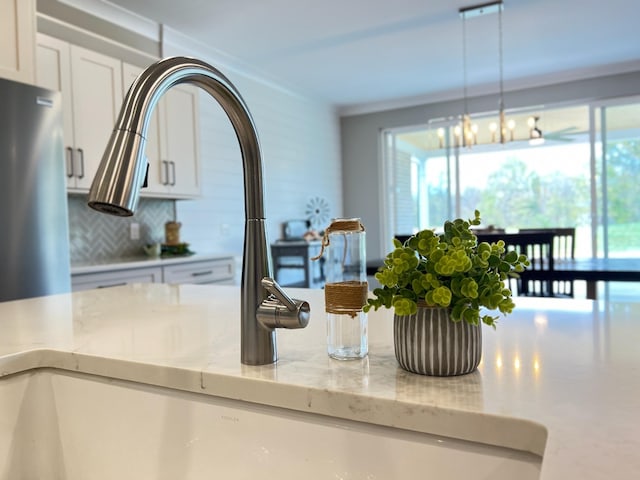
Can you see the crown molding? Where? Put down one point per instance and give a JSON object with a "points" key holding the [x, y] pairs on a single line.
{"points": [[117, 15], [489, 89]]}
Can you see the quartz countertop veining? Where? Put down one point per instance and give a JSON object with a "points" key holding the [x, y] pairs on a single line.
{"points": [[559, 378]]}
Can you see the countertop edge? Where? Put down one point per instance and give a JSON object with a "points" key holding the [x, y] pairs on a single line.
{"points": [[490, 429], [557, 380]]}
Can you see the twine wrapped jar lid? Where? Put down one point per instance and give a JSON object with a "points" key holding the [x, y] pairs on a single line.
{"points": [[346, 296]]}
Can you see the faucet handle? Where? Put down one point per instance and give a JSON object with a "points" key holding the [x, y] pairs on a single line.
{"points": [[274, 289], [279, 310]]}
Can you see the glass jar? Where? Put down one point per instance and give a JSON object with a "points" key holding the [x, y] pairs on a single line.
{"points": [[172, 233], [346, 289]]}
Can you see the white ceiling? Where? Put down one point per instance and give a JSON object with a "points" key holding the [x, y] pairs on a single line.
{"points": [[358, 52]]}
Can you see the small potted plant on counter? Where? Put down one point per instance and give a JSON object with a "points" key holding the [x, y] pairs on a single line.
{"points": [[439, 287]]}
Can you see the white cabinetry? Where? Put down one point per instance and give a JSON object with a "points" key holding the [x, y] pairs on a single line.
{"points": [[155, 178], [220, 270], [17, 39], [172, 141], [179, 141], [91, 85], [114, 278], [210, 271], [53, 71]]}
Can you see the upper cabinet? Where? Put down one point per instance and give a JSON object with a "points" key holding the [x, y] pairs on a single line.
{"points": [[172, 141], [91, 86], [179, 140], [156, 173], [53, 71], [17, 39]]}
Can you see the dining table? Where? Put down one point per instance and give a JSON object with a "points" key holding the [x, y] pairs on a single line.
{"points": [[591, 270]]}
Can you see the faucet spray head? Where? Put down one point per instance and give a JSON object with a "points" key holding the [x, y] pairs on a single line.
{"points": [[116, 187]]}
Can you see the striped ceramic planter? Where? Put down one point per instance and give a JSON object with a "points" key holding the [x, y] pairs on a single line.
{"points": [[430, 343]]}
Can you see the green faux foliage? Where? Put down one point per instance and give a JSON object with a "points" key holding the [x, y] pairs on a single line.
{"points": [[451, 270]]}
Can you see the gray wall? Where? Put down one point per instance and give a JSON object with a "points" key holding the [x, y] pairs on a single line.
{"points": [[361, 143]]}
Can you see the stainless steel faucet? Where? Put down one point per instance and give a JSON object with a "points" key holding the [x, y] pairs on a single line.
{"points": [[116, 189]]}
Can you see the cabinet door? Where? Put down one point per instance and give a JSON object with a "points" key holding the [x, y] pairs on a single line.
{"points": [[53, 71], [180, 140], [17, 40], [205, 271], [96, 82], [158, 175], [115, 278]]}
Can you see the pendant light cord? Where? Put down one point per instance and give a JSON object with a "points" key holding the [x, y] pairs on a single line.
{"points": [[464, 63], [500, 59]]}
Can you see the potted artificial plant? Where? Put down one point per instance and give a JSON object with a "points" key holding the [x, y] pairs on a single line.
{"points": [[441, 287]]}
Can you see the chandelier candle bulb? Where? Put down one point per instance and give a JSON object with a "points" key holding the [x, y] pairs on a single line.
{"points": [[346, 288]]}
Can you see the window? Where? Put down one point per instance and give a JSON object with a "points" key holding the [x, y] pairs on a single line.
{"points": [[617, 164]]}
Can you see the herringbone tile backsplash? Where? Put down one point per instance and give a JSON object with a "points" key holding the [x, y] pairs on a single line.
{"points": [[95, 236]]}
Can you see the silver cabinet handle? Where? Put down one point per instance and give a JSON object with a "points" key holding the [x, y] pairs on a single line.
{"points": [[201, 274], [81, 152], [112, 285], [69, 160], [173, 173], [165, 180]]}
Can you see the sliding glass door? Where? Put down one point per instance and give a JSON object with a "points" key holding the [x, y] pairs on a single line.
{"points": [[586, 174], [617, 195], [519, 184], [418, 181]]}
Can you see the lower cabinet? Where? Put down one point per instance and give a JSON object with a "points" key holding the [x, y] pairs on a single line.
{"points": [[115, 278], [219, 270], [213, 271]]}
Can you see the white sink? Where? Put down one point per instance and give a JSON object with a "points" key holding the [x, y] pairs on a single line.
{"points": [[64, 426]]}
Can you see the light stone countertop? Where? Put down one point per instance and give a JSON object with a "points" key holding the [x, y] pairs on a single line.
{"points": [[141, 262], [559, 378]]}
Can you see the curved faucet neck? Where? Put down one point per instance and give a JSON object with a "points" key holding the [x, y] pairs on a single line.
{"points": [[154, 82], [115, 188]]}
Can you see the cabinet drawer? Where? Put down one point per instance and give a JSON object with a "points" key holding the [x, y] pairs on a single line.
{"points": [[115, 278], [208, 271]]}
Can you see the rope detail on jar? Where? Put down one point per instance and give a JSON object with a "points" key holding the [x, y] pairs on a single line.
{"points": [[345, 297], [342, 225]]}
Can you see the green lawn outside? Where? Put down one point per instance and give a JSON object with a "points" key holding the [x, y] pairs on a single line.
{"points": [[623, 238]]}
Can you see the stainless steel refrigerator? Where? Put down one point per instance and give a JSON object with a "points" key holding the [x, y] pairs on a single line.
{"points": [[34, 231]]}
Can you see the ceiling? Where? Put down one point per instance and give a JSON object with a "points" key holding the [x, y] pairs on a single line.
{"points": [[361, 52]]}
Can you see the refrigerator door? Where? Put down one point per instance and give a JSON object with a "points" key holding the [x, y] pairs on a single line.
{"points": [[34, 233]]}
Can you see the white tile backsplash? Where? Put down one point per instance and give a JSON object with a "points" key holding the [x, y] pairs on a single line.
{"points": [[95, 236]]}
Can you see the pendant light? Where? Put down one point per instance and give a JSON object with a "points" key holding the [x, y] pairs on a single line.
{"points": [[467, 133]]}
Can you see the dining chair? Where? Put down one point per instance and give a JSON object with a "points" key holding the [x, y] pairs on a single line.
{"points": [[564, 248], [538, 246]]}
